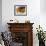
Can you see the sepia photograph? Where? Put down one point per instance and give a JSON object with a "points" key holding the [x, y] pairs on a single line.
{"points": [[20, 10]]}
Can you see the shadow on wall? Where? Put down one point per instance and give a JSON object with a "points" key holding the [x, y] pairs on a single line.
{"points": [[43, 6], [0, 15]]}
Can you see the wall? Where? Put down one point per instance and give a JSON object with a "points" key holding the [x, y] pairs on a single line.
{"points": [[34, 14], [43, 6], [43, 14], [0, 15]]}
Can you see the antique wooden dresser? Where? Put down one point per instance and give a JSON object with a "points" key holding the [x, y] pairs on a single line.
{"points": [[22, 33]]}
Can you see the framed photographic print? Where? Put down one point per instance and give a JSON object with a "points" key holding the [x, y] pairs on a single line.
{"points": [[20, 10]]}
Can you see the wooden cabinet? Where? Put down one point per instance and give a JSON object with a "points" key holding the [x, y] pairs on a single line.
{"points": [[22, 33]]}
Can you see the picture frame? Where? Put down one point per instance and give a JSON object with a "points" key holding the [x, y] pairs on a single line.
{"points": [[20, 10]]}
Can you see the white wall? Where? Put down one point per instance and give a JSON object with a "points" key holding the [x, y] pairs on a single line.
{"points": [[0, 15], [43, 6], [43, 14]]}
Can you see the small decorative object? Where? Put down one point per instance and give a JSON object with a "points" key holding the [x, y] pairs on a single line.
{"points": [[41, 36], [13, 21], [20, 10], [27, 21]]}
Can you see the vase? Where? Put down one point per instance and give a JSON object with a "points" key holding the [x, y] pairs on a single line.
{"points": [[41, 43]]}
